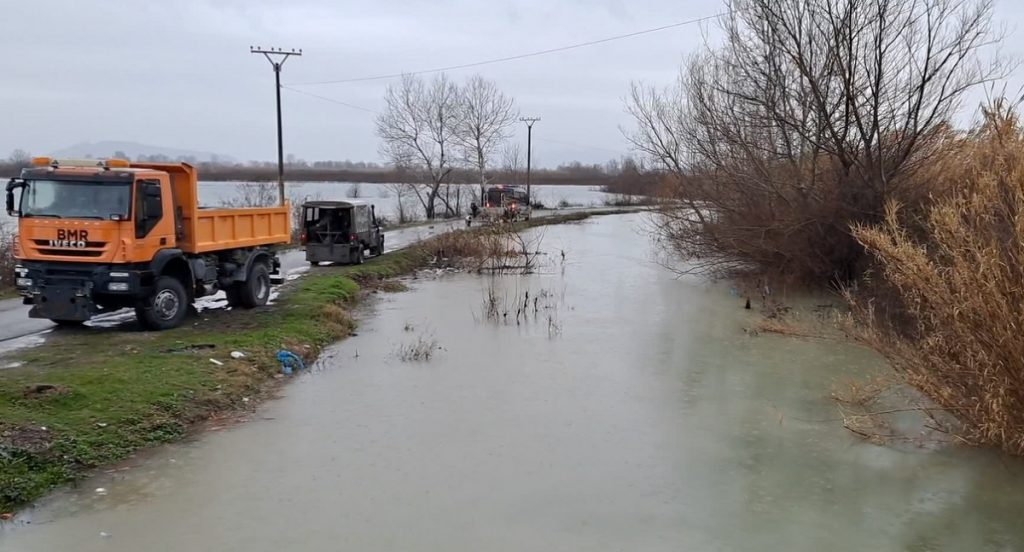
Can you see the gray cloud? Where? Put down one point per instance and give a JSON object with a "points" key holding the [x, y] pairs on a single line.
{"points": [[179, 74]]}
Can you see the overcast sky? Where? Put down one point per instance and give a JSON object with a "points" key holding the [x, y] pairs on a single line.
{"points": [[179, 74]]}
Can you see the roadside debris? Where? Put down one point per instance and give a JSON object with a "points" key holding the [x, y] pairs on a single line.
{"points": [[237, 354], [217, 362], [289, 362]]}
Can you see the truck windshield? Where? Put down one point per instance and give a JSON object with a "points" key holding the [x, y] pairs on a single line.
{"points": [[76, 199]]}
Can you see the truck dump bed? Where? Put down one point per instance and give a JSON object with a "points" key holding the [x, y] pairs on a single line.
{"points": [[210, 230]]}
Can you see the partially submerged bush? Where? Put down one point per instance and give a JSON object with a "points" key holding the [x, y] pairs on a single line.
{"points": [[496, 248], [960, 285]]}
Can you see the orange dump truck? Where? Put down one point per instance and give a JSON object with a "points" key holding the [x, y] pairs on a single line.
{"points": [[96, 236]]}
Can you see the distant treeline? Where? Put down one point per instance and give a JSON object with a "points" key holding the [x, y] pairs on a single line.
{"points": [[391, 175], [625, 176]]}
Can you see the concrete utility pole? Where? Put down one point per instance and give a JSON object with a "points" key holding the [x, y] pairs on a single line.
{"points": [[277, 57], [529, 153]]}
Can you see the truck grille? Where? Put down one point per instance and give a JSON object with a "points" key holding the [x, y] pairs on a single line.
{"points": [[91, 249]]}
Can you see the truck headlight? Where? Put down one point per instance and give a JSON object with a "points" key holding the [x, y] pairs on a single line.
{"points": [[117, 286], [119, 274], [23, 282]]}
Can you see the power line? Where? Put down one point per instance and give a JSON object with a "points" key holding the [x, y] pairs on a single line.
{"points": [[517, 56], [368, 110], [326, 99]]}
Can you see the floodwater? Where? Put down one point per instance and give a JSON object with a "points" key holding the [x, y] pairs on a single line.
{"points": [[385, 200], [380, 195], [630, 412]]}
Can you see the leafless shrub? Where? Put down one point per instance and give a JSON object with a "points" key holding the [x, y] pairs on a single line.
{"points": [[496, 249], [810, 116], [952, 326], [7, 260], [253, 194], [554, 327], [421, 349], [521, 307]]}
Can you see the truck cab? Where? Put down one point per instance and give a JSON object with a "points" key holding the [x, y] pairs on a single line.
{"points": [[104, 235], [506, 203]]}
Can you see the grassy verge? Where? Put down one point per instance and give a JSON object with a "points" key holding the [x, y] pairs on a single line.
{"points": [[91, 397]]}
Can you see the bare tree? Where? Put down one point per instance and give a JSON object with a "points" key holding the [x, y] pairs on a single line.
{"points": [[19, 158], [512, 162], [355, 191], [808, 118], [418, 128], [404, 193], [488, 116]]}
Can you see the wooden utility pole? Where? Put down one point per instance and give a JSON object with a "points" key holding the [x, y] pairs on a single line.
{"points": [[529, 153], [277, 57]]}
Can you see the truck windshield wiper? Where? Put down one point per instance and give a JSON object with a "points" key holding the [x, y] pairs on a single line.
{"points": [[97, 217], [42, 215]]}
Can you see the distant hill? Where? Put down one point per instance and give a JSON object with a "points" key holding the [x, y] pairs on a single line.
{"points": [[135, 150]]}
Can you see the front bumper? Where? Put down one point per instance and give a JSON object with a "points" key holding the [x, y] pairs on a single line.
{"points": [[73, 291]]}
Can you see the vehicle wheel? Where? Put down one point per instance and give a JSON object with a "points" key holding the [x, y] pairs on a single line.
{"points": [[166, 308], [256, 288], [67, 323], [234, 293], [359, 256]]}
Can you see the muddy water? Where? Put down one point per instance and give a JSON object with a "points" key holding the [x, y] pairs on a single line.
{"points": [[631, 412]]}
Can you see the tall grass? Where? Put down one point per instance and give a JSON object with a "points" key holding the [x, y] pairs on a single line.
{"points": [[957, 272]]}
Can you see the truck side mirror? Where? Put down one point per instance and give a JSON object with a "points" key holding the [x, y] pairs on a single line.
{"points": [[12, 185]]}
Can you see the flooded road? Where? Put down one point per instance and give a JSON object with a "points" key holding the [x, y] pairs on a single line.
{"points": [[626, 410]]}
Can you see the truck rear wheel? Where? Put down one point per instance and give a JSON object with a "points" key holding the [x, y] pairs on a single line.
{"points": [[166, 307], [255, 291]]}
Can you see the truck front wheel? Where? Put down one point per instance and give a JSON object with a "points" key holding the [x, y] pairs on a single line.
{"points": [[256, 289], [166, 307]]}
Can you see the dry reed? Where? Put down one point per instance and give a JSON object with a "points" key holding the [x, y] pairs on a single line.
{"points": [[954, 330]]}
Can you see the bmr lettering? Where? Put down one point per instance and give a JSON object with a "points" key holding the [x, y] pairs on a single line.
{"points": [[70, 238]]}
